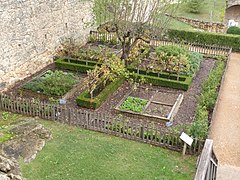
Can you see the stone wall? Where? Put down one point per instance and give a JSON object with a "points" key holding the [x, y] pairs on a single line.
{"points": [[204, 25], [31, 30], [232, 3]]}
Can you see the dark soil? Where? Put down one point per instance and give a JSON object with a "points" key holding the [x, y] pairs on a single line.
{"points": [[186, 111], [158, 110]]}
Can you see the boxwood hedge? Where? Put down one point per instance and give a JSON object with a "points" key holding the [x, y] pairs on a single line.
{"points": [[75, 65], [84, 99], [205, 38], [163, 79]]}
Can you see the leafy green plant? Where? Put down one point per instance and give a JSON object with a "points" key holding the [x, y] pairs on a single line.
{"points": [[5, 116], [52, 83], [195, 60], [134, 104], [5, 137], [233, 30]]}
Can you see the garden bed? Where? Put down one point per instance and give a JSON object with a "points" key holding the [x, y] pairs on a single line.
{"points": [[185, 114], [52, 83], [23, 88], [156, 106]]}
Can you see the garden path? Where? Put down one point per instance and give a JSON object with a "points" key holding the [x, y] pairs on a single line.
{"points": [[225, 128]]}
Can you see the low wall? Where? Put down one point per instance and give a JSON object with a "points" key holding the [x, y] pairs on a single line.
{"points": [[204, 25]]}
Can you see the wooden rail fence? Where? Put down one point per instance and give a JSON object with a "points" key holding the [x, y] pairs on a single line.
{"points": [[200, 48], [207, 165], [145, 132]]}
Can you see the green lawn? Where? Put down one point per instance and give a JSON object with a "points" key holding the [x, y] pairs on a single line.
{"points": [[218, 11], [75, 154]]}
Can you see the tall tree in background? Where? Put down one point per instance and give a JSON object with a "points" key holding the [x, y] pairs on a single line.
{"points": [[133, 20], [195, 6]]}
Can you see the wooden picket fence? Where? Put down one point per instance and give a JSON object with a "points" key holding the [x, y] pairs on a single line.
{"points": [[145, 132], [209, 50]]}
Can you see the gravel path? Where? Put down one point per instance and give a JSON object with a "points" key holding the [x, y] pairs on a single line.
{"points": [[225, 130]]}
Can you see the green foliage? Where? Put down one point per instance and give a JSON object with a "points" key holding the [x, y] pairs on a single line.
{"points": [[195, 60], [171, 50], [85, 100], [194, 6], [5, 137], [210, 86], [199, 127], [233, 30], [134, 104], [5, 116], [204, 38], [207, 100], [52, 83], [110, 69], [75, 64], [173, 59]]}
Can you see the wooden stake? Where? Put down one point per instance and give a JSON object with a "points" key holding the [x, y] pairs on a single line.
{"points": [[184, 149]]}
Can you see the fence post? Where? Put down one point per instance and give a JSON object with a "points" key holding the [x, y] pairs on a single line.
{"points": [[204, 170]]}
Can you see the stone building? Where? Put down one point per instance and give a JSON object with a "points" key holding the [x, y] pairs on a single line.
{"points": [[232, 13], [30, 31]]}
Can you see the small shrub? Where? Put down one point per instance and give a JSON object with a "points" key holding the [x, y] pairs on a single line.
{"points": [[233, 30], [195, 60], [199, 127], [172, 59]]}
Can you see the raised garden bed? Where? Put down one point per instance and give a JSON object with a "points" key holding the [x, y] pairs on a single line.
{"points": [[75, 64], [156, 107], [55, 84], [163, 79], [85, 100]]}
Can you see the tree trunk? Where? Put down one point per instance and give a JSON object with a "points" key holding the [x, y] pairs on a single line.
{"points": [[125, 51]]}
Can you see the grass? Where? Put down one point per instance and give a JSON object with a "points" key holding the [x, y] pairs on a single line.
{"points": [[75, 153], [174, 24], [6, 121], [218, 11]]}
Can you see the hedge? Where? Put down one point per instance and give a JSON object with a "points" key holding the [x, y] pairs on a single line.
{"points": [[84, 99], [75, 64], [233, 30], [205, 38], [163, 79], [207, 100]]}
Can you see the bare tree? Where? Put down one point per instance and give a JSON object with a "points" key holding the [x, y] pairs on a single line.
{"points": [[133, 20]]}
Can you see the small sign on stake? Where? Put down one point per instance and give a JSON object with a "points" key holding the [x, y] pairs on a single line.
{"points": [[187, 140]]}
